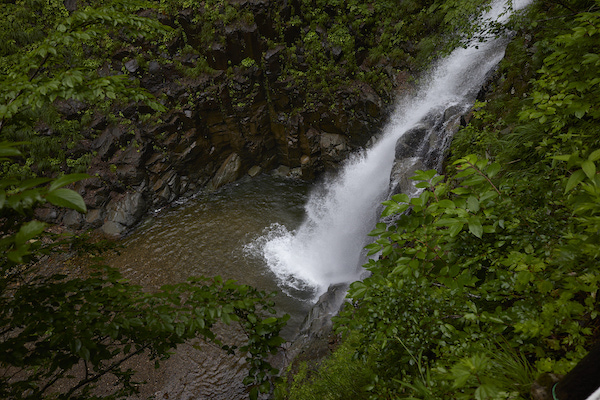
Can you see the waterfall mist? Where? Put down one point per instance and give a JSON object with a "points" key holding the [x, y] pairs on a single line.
{"points": [[327, 248]]}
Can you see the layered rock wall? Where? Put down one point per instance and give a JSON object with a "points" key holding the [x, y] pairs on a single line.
{"points": [[239, 116]]}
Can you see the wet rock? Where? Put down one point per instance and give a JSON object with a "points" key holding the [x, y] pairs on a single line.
{"points": [[217, 57], [409, 144], [95, 217], [243, 42], [123, 212], [227, 173], [165, 186], [132, 65], [370, 100], [312, 341], [48, 214], [129, 162], [219, 122], [111, 228], [254, 171], [70, 5], [154, 67], [108, 142], [273, 61], [296, 173], [73, 219], [70, 109], [402, 170], [318, 320], [423, 146], [334, 147], [282, 171]]}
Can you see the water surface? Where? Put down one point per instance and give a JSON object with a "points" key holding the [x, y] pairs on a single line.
{"points": [[212, 234]]}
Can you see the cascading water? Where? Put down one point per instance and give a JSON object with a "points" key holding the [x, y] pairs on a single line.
{"points": [[327, 248]]}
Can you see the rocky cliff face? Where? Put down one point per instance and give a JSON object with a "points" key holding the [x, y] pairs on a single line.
{"points": [[239, 117]]}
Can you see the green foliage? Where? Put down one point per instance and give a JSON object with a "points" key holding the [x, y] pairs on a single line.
{"points": [[341, 376], [469, 264], [330, 44], [103, 321], [51, 63], [329, 53], [47, 71]]}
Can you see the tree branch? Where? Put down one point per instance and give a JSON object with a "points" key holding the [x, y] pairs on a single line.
{"points": [[103, 372]]}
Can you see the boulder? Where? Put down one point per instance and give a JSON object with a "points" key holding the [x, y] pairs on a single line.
{"points": [[123, 212], [281, 171], [73, 219], [254, 171], [95, 217], [227, 173]]}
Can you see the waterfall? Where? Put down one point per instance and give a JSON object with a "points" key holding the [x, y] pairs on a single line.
{"points": [[327, 248]]}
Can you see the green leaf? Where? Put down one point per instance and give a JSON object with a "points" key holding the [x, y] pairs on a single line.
{"points": [[254, 393], [65, 180], [595, 155], [394, 209], [373, 248], [455, 228], [28, 231], [357, 290], [473, 204], [402, 198], [486, 391], [493, 169], [387, 250], [574, 179], [564, 157], [467, 172], [16, 255], [29, 183], [524, 277], [490, 194], [474, 180], [589, 168], [447, 204], [84, 353], [475, 226], [461, 374], [67, 198], [7, 150], [545, 286], [461, 190]]}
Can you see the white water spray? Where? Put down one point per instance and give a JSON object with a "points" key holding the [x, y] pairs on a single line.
{"points": [[327, 248]]}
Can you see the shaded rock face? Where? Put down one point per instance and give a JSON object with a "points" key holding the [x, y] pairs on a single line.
{"points": [[227, 173], [220, 125], [423, 147], [313, 340]]}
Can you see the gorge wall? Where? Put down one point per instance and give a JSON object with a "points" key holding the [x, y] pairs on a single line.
{"points": [[241, 115]]}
